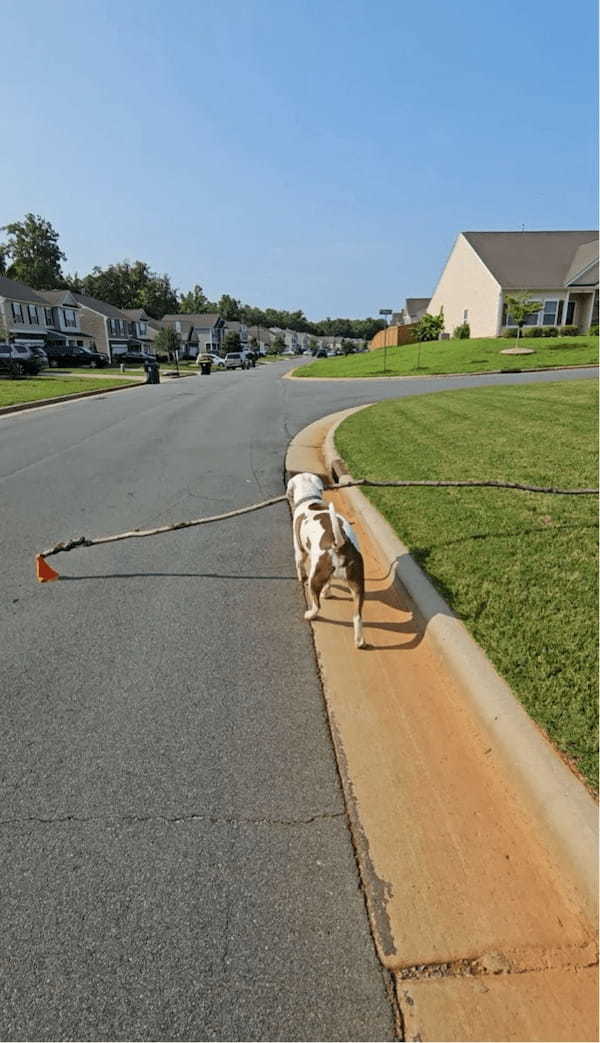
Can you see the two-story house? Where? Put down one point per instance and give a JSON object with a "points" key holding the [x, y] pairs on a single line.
{"points": [[204, 332], [261, 336], [233, 326], [22, 313], [143, 328], [109, 327], [63, 319]]}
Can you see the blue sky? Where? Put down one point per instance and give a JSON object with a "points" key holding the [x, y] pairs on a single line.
{"points": [[314, 154]]}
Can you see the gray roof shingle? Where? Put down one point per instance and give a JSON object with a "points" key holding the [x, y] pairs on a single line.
{"points": [[529, 260], [18, 291]]}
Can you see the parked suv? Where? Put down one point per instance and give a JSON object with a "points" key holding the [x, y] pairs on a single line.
{"points": [[74, 355], [17, 360], [235, 359]]}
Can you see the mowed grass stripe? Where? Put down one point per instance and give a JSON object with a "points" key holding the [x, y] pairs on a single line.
{"points": [[519, 569], [14, 392], [457, 356]]}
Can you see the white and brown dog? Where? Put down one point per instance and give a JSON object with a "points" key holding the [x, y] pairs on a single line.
{"points": [[324, 547]]}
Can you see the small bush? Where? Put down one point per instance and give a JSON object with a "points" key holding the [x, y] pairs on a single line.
{"points": [[594, 331], [462, 332], [532, 331], [568, 331], [510, 332]]}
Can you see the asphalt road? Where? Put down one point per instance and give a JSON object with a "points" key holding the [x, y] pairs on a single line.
{"points": [[176, 860]]}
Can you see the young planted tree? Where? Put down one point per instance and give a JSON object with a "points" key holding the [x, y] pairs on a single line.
{"points": [[277, 345], [519, 306], [168, 342], [232, 341]]}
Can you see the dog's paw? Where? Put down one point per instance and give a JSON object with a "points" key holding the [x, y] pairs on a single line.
{"points": [[311, 613]]}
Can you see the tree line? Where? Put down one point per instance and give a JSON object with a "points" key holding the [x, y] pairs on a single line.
{"points": [[32, 254]]}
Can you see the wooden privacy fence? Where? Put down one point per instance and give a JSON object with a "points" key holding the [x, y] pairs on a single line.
{"points": [[392, 337]]}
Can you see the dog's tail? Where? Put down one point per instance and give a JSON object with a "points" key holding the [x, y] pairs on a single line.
{"points": [[338, 536]]}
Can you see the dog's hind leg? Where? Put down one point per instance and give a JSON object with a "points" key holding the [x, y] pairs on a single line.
{"points": [[318, 579], [356, 582]]}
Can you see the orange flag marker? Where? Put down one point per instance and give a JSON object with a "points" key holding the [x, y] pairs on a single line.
{"points": [[44, 572]]}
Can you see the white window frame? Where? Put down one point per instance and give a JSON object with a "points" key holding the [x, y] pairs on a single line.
{"points": [[549, 300]]}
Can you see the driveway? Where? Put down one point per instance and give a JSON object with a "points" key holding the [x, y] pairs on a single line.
{"points": [[178, 863]]}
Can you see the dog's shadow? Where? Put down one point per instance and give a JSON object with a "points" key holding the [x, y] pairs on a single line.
{"points": [[390, 596]]}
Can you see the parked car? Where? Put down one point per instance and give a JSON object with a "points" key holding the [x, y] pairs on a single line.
{"points": [[18, 360], [216, 360], [236, 360], [133, 358], [74, 355], [41, 355], [320, 354]]}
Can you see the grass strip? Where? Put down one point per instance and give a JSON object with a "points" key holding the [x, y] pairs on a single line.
{"points": [[15, 392], [457, 356], [519, 569]]}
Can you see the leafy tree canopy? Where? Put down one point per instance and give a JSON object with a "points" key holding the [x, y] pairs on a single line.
{"points": [[195, 302], [32, 254], [129, 285]]}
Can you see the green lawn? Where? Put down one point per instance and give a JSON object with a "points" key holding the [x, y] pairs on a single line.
{"points": [[518, 568], [457, 356], [13, 392]]}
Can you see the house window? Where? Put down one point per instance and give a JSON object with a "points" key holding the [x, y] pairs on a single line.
{"points": [[549, 313], [178, 326], [142, 327], [69, 317], [49, 319], [466, 315]]}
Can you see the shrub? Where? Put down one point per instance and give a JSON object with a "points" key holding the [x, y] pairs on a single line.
{"points": [[462, 332], [594, 331], [532, 331], [429, 327], [510, 332], [568, 331]]}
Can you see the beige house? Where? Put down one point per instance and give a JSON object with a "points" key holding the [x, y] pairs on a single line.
{"points": [[558, 268]]}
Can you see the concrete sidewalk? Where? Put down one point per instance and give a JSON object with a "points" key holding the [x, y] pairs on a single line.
{"points": [[484, 935]]}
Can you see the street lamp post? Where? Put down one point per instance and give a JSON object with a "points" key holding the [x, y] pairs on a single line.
{"points": [[384, 312]]}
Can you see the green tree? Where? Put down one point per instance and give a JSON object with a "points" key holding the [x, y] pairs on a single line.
{"points": [[232, 341], [129, 285], [348, 347], [167, 342], [32, 254], [195, 302], [277, 344], [429, 327], [229, 308], [519, 306]]}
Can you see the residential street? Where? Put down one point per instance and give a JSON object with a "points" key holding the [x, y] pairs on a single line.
{"points": [[176, 856]]}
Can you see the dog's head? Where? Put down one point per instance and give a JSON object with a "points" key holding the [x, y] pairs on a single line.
{"points": [[303, 486]]}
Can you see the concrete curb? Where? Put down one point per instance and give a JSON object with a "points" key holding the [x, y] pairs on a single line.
{"points": [[445, 376], [21, 406], [551, 793]]}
